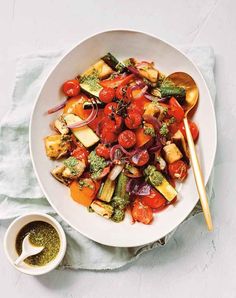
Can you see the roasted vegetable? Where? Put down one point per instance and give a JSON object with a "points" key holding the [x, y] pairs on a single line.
{"points": [[168, 89], [107, 190], [102, 209], [103, 70], [83, 191], [60, 125], [84, 134], [147, 71], [180, 142], [74, 168], [113, 62], [58, 174], [172, 153], [57, 145], [90, 84], [97, 164], [156, 179], [121, 198]]}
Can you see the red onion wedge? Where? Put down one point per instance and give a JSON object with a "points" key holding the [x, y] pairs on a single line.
{"points": [[138, 187], [115, 172], [90, 118], [57, 108]]}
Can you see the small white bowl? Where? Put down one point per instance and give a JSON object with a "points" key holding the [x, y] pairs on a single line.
{"points": [[10, 243]]}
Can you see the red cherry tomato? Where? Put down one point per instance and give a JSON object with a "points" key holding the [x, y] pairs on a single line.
{"points": [[127, 139], [133, 120], [71, 88], [107, 94], [107, 136], [175, 109], [81, 153], [110, 108], [141, 212], [193, 128], [138, 105], [121, 91], [103, 151], [178, 170], [140, 158], [154, 200], [118, 122]]}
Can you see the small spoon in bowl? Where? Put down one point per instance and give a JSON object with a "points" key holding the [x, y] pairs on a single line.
{"points": [[184, 80], [28, 249]]}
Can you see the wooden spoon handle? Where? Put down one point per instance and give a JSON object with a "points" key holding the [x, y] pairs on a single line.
{"points": [[198, 176]]}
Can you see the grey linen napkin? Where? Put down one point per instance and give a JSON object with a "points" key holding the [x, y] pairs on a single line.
{"points": [[19, 190]]}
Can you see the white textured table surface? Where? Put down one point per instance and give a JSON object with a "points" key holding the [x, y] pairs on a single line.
{"points": [[194, 263]]}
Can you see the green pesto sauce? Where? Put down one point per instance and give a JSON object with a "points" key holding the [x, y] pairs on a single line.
{"points": [[97, 164], [149, 131], [164, 130], [92, 80], [71, 164], [41, 234], [153, 176]]}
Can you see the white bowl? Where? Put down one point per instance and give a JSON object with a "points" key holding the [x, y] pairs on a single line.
{"points": [[124, 44], [10, 242]]}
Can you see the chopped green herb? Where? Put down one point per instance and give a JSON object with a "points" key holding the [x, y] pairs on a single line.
{"points": [[164, 130], [71, 164], [149, 131], [153, 176], [97, 164], [92, 80], [83, 183]]}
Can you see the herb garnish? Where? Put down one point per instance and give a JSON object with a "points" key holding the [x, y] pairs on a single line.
{"points": [[164, 130], [92, 80]]}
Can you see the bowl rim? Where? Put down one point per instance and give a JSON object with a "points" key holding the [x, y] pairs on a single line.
{"points": [[206, 177], [49, 266]]}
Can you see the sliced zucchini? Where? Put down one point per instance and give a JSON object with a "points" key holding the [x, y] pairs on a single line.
{"points": [[157, 180], [102, 209], [103, 70], [107, 190], [91, 91], [84, 134], [113, 62], [87, 105]]}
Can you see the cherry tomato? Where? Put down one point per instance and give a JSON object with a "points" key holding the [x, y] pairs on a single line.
{"points": [[154, 200], [108, 136], [107, 94], [141, 212], [110, 108], [127, 139], [103, 151], [178, 170], [112, 124], [140, 158], [175, 109], [71, 88], [138, 105], [121, 91], [193, 128], [133, 120], [81, 153]]}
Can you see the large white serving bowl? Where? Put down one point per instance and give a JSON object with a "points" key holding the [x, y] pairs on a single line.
{"points": [[123, 44]]}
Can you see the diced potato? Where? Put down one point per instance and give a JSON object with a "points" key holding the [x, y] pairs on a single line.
{"points": [[56, 146], [60, 125], [102, 209], [102, 68], [172, 153]]}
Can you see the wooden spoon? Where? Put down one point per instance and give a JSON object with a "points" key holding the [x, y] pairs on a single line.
{"points": [[184, 80]]}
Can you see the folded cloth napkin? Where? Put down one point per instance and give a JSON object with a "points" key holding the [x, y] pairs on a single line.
{"points": [[19, 190]]}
